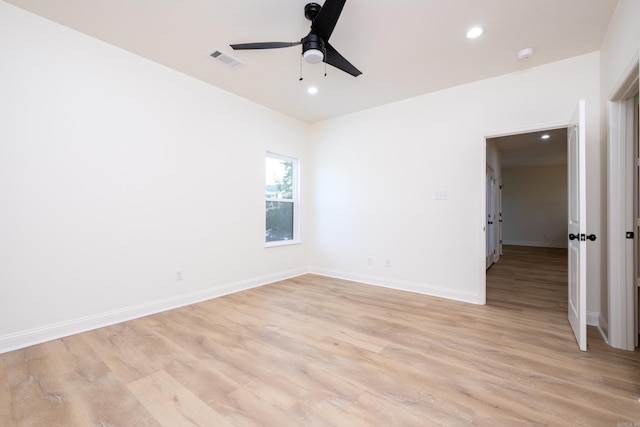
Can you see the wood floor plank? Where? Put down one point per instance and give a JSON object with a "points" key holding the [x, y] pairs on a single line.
{"points": [[6, 414], [171, 403], [317, 351], [123, 358], [81, 372], [104, 400], [38, 394]]}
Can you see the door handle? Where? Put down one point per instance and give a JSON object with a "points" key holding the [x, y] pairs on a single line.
{"points": [[582, 237]]}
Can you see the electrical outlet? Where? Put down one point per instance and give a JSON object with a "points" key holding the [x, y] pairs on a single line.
{"points": [[179, 275], [387, 263], [369, 260]]}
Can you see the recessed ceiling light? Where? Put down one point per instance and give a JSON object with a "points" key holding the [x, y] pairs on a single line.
{"points": [[545, 136], [312, 90], [474, 32]]}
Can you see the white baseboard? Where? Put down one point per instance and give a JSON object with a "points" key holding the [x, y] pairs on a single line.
{"points": [[63, 329], [418, 288], [593, 319], [603, 327], [596, 319], [535, 244]]}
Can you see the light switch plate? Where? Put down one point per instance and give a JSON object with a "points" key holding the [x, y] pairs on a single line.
{"points": [[442, 195]]}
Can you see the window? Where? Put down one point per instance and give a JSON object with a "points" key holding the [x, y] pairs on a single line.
{"points": [[281, 192]]}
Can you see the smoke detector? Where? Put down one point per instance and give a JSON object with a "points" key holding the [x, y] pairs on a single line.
{"points": [[525, 53]]}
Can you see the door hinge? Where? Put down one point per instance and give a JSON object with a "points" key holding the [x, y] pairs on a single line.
{"points": [[630, 235]]}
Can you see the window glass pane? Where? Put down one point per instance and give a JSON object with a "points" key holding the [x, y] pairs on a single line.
{"points": [[279, 179], [279, 221]]}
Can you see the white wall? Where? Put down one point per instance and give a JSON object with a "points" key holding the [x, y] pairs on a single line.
{"points": [[376, 172], [534, 206], [114, 173], [494, 158], [620, 47]]}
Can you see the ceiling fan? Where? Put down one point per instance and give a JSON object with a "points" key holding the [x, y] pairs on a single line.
{"points": [[315, 45]]}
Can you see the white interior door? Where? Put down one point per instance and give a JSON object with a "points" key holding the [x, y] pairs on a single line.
{"points": [[577, 226], [499, 253], [491, 217]]}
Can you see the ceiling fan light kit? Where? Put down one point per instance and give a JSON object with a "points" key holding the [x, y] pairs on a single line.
{"points": [[313, 56], [315, 45], [313, 50]]}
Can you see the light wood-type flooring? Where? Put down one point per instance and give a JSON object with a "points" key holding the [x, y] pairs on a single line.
{"points": [[315, 351]]}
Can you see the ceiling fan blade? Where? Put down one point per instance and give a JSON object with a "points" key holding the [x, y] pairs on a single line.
{"points": [[327, 18], [264, 45], [334, 58]]}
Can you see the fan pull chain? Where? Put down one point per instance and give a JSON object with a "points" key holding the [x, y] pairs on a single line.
{"points": [[301, 68], [325, 69]]}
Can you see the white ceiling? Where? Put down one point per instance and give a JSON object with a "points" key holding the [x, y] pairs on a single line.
{"points": [[404, 48], [529, 149]]}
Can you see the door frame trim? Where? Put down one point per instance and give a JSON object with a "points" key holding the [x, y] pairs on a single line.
{"points": [[621, 283]]}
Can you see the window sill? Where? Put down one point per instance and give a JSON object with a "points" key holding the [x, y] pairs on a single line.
{"points": [[282, 243]]}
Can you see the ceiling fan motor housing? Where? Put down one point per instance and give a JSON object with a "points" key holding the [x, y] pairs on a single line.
{"points": [[311, 11], [313, 49]]}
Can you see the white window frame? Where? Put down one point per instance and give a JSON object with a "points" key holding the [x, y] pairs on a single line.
{"points": [[295, 200]]}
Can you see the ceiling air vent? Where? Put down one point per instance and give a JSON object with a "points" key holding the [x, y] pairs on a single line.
{"points": [[226, 59]]}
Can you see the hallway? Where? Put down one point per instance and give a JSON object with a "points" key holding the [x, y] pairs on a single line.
{"points": [[529, 279]]}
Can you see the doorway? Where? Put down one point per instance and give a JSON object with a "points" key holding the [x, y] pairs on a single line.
{"points": [[530, 193], [531, 169]]}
